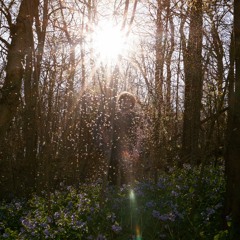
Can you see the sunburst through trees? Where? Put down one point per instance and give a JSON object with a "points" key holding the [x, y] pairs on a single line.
{"points": [[64, 62]]}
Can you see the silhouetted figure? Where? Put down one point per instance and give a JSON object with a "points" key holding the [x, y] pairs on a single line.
{"points": [[123, 152]]}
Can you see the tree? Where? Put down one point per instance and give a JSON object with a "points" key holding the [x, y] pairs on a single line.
{"points": [[17, 51], [14, 69], [192, 56], [233, 131], [31, 88]]}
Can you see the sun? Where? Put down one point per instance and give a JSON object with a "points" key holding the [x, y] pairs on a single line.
{"points": [[109, 42]]}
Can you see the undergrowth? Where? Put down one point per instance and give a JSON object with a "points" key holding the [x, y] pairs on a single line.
{"points": [[181, 205]]}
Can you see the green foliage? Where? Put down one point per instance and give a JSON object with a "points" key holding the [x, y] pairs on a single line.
{"points": [[181, 205]]}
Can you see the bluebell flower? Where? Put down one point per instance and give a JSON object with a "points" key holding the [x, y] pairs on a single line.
{"points": [[171, 217], [97, 205], [79, 207], [161, 184], [44, 225], [139, 192], [70, 205], [150, 204], [56, 215], [101, 237], [175, 194], [5, 235], [46, 233], [210, 211], [163, 217], [187, 166], [116, 228], [80, 224], [178, 214], [219, 205], [156, 214], [49, 219], [89, 218], [18, 205], [28, 224], [111, 217]]}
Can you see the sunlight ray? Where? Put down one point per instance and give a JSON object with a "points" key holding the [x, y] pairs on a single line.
{"points": [[109, 42]]}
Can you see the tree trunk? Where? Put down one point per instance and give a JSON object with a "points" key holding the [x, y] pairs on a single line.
{"points": [[233, 144], [158, 93], [14, 68], [193, 86], [9, 100], [30, 125]]}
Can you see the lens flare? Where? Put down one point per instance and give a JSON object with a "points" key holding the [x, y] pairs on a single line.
{"points": [[132, 195], [109, 41], [138, 233]]}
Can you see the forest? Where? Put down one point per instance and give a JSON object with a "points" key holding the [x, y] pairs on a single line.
{"points": [[120, 119]]}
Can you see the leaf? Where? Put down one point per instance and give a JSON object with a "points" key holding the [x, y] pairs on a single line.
{"points": [[191, 189]]}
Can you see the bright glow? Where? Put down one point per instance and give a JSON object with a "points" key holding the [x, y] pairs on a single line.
{"points": [[132, 195], [109, 42], [138, 233]]}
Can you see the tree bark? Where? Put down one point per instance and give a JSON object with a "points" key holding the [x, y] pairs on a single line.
{"points": [[233, 144], [14, 68], [193, 86], [10, 98]]}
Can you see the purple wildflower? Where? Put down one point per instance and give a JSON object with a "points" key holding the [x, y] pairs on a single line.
{"points": [[116, 228], [28, 224], [46, 233], [5, 235], [101, 237], [156, 214], [150, 204], [56, 215]]}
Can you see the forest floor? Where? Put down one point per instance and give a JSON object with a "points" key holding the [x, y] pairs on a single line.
{"points": [[181, 205]]}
